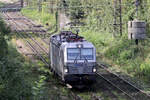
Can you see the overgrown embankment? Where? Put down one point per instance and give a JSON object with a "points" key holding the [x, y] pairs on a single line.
{"points": [[14, 69], [96, 22], [123, 54], [43, 17], [22, 77]]}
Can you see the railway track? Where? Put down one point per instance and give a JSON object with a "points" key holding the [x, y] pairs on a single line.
{"points": [[30, 40], [36, 42], [131, 91], [32, 47], [123, 86], [18, 27], [34, 50], [37, 49], [28, 25]]}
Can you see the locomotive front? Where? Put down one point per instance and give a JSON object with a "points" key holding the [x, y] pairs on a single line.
{"points": [[80, 62]]}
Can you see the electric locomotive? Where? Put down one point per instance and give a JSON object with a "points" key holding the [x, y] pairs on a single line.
{"points": [[73, 58]]}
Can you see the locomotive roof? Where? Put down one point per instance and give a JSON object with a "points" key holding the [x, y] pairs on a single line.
{"points": [[67, 36]]}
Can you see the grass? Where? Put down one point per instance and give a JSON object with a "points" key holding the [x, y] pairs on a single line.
{"points": [[41, 82], [100, 39], [43, 17], [18, 71], [123, 54], [44, 85], [2, 4]]}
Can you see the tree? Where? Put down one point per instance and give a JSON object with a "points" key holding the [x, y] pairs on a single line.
{"points": [[76, 11], [4, 31], [13, 84]]}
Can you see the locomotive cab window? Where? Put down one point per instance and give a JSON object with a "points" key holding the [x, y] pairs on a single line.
{"points": [[73, 53], [87, 53], [80, 53]]}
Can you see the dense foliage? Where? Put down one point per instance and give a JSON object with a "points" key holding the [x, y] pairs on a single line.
{"points": [[3, 32], [98, 27], [76, 11], [13, 84], [119, 51]]}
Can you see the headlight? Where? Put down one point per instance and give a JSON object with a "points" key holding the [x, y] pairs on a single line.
{"points": [[94, 69], [66, 70]]}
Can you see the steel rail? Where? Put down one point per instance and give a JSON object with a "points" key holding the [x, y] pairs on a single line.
{"points": [[33, 40], [34, 50], [36, 41], [103, 66], [75, 96], [30, 22], [30, 45], [127, 82], [45, 42], [38, 44], [115, 86], [33, 24]]}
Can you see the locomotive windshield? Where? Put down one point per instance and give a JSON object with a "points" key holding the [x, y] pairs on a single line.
{"points": [[73, 53], [80, 53]]}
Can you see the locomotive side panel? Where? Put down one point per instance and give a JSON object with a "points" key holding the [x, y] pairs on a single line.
{"points": [[51, 53], [56, 57]]}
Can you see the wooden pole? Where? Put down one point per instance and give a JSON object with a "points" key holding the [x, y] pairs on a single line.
{"points": [[115, 18], [39, 6], [22, 3], [51, 6], [136, 4], [27, 2], [120, 9]]}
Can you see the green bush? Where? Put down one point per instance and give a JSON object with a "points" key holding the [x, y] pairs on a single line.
{"points": [[101, 40], [41, 17], [4, 31], [13, 84], [145, 69], [122, 51], [76, 12]]}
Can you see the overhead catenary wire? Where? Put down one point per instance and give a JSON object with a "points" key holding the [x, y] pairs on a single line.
{"points": [[69, 7], [101, 7], [90, 6]]}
